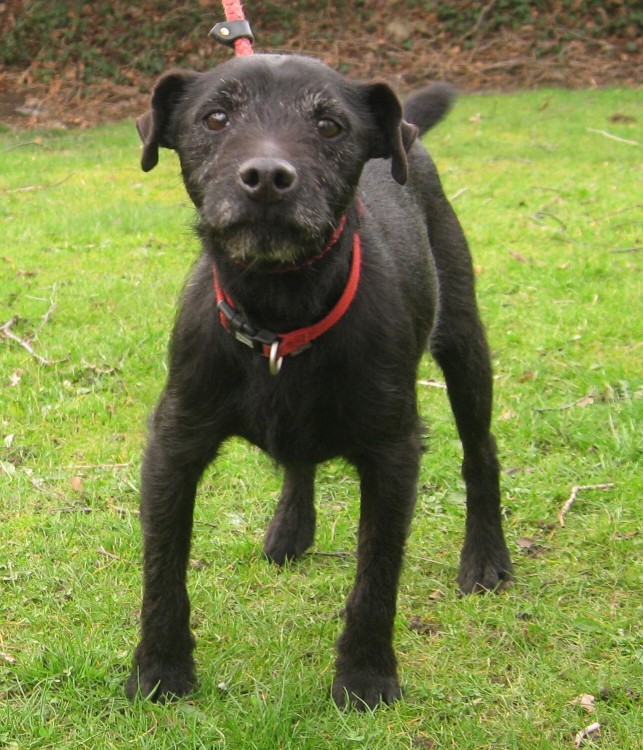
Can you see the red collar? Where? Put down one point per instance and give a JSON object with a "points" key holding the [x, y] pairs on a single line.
{"points": [[276, 346]]}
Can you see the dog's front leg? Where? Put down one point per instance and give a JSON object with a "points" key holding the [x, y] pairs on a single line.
{"points": [[366, 672], [163, 665]]}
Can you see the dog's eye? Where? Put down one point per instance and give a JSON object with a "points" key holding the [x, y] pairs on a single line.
{"points": [[217, 120], [328, 128]]}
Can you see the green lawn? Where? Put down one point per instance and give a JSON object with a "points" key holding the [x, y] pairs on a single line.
{"points": [[92, 256]]}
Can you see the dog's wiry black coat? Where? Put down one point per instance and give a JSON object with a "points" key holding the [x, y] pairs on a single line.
{"points": [[270, 179]]}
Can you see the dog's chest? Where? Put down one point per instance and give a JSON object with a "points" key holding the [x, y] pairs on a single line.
{"points": [[294, 420]]}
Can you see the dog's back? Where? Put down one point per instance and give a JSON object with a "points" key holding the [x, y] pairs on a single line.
{"points": [[398, 218]]}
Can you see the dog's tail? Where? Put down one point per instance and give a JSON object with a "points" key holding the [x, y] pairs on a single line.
{"points": [[426, 107]]}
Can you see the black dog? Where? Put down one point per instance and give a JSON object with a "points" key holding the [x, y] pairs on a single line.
{"points": [[337, 276]]}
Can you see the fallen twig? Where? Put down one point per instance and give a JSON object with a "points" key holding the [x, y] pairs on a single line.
{"points": [[112, 556], [98, 467], [575, 490], [613, 137], [424, 559], [50, 311], [549, 215], [37, 484], [474, 29], [7, 333], [635, 207], [458, 193], [6, 326], [330, 554], [29, 188], [589, 732], [430, 383], [72, 509], [124, 511], [25, 143], [584, 401]]}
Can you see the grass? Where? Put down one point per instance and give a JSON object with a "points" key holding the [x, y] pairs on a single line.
{"points": [[553, 217]]}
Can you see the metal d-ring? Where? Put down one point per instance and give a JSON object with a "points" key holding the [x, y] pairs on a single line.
{"points": [[274, 362]]}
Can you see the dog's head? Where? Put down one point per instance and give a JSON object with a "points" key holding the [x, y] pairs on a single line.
{"points": [[272, 148]]}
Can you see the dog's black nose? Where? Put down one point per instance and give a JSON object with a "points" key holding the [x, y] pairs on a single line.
{"points": [[267, 179]]}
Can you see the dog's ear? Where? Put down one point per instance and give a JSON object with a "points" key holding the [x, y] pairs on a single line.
{"points": [[394, 136], [154, 125]]}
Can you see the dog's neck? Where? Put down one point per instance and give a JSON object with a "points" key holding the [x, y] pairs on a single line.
{"points": [[299, 296]]}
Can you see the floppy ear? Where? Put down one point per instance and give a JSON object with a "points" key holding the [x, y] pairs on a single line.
{"points": [[153, 126], [395, 136]]}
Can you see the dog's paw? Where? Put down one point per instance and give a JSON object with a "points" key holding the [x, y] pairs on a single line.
{"points": [[365, 690], [284, 541], [160, 682], [484, 569]]}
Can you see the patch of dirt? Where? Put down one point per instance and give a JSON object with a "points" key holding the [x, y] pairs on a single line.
{"points": [[381, 41]]}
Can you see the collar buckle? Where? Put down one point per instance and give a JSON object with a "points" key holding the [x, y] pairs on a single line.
{"points": [[238, 325]]}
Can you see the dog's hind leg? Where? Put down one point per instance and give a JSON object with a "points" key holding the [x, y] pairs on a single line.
{"points": [[484, 561], [176, 455], [458, 344], [292, 529], [366, 672]]}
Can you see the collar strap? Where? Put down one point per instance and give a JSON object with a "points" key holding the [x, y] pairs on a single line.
{"points": [[276, 346]]}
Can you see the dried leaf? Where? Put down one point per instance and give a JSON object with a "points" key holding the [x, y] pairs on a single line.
{"points": [[618, 117], [518, 256], [531, 547], [8, 468], [518, 470], [422, 742], [422, 626], [585, 701], [199, 564]]}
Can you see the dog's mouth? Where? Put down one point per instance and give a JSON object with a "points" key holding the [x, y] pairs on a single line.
{"points": [[249, 244], [279, 235]]}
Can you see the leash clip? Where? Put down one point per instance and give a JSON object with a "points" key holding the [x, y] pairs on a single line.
{"points": [[227, 32]]}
